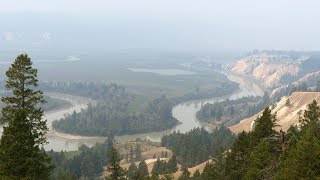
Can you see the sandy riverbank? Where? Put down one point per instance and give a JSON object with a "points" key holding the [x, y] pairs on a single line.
{"points": [[74, 102], [71, 136]]}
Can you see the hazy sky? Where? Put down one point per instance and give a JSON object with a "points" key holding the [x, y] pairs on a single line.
{"points": [[161, 24]]}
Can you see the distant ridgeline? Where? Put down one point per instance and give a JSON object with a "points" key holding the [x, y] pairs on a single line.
{"points": [[111, 115], [306, 79], [309, 65], [230, 112]]}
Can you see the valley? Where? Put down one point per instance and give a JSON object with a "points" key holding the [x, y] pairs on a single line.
{"points": [[159, 90], [77, 125]]}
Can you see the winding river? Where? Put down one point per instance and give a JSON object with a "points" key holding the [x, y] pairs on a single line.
{"points": [[184, 112]]}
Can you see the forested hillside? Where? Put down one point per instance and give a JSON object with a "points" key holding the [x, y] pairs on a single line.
{"points": [[230, 112], [104, 119], [111, 114], [197, 145], [265, 153], [119, 112]]}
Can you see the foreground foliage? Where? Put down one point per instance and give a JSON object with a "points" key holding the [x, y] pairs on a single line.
{"points": [[24, 131], [267, 154], [87, 162]]}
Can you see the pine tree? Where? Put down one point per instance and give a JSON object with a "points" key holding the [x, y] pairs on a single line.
{"points": [[117, 172], [263, 127], [311, 118], [252, 154], [185, 175], [156, 169], [196, 175], [303, 161], [87, 167], [131, 154], [24, 129], [155, 176], [172, 165], [209, 172], [237, 156], [22, 79], [166, 154], [219, 159], [143, 168], [261, 161], [301, 158], [138, 152], [132, 170]]}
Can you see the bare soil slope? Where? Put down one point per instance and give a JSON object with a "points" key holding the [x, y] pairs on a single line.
{"points": [[266, 69], [286, 114]]}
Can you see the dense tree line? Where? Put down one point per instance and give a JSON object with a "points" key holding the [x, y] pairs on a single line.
{"points": [[163, 167], [87, 161], [134, 154], [197, 145], [96, 91], [110, 114], [230, 112], [267, 154], [104, 119], [138, 172]]}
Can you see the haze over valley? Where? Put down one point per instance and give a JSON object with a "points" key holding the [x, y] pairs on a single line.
{"points": [[159, 90]]}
